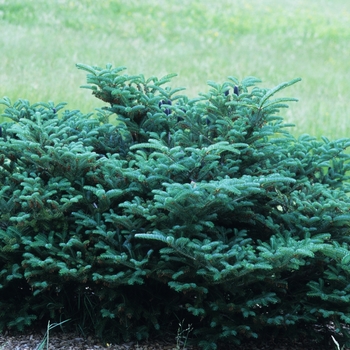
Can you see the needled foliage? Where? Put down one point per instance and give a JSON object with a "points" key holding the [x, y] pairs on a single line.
{"points": [[160, 209]]}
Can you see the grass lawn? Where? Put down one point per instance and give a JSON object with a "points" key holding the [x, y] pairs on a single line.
{"points": [[200, 40]]}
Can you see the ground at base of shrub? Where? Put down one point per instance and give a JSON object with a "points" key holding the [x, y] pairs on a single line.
{"points": [[72, 341]]}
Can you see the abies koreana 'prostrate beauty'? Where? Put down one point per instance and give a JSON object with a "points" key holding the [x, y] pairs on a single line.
{"points": [[161, 209]]}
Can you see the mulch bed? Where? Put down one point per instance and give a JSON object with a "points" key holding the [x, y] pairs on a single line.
{"points": [[71, 341]]}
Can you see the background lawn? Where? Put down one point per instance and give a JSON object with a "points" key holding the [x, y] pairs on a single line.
{"points": [[201, 40]]}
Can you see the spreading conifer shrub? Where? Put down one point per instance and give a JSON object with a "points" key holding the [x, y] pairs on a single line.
{"points": [[160, 209]]}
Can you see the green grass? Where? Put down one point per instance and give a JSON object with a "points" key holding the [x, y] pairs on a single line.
{"points": [[200, 40]]}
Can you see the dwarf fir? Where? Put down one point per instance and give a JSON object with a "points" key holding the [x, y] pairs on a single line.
{"points": [[159, 208]]}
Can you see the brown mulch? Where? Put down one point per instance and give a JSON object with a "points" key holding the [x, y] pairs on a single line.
{"points": [[71, 341]]}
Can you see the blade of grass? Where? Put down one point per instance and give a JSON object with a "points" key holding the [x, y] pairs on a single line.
{"points": [[46, 339]]}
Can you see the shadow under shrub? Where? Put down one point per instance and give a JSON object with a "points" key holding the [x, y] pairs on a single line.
{"points": [[162, 209]]}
